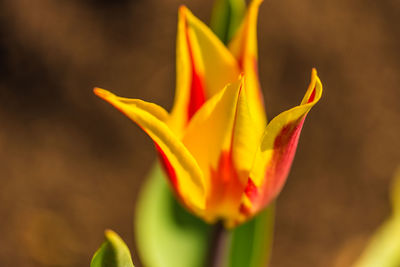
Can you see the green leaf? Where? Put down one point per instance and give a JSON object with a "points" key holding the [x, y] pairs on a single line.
{"points": [[383, 249], [112, 253], [166, 234], [226, 17], [251, 242]]}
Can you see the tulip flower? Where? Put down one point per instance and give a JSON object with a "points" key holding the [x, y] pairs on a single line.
{"points": [[223, 161]]}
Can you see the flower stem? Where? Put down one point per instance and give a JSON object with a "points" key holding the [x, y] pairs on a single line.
{"points": [[219, 243]]}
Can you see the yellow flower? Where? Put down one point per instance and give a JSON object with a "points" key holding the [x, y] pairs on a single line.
{"points": [[223, 160]]}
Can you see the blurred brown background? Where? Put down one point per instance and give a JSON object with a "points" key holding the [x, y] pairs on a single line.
{"points": [[71, 166]]}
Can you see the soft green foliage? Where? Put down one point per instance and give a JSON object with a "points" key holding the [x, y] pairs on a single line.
{"points": [[252, 241], [167, 235], [226, 18], [112, 253], [384, 247]]}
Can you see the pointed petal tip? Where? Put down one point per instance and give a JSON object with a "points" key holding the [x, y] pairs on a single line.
{"points": [[184, 13], [104, 94], [276, 153], [314, 76], [313, 71], [314, 91], [182, 10]]}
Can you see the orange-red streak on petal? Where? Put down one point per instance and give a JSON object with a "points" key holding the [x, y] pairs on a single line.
{"points": [[167, 167], [225, 187], [197, 89], [312, 96], [197, 97], [279, 166], [251, 190], [284, 151], [285, 148]]}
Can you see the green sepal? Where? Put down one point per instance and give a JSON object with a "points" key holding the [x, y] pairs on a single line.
{"points": [[251, 242], [383, 249], [166, 234], [112, 253], [226, 17]]}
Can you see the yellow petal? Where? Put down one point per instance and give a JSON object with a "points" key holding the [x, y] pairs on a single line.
{"points": [[276, 152], [189, 183], [244, 47], [209, 132], [244, 43], [246, 139], [209, 139], [204, 67]]}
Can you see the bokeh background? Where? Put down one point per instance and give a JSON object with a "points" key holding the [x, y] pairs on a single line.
{"points": [[71, 166]]}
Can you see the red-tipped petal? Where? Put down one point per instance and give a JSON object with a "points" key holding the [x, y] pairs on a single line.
{"points": [[276, 152]]}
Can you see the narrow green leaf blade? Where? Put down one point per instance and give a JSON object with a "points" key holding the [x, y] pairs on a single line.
{"points": [[112, 253], [251, 242], [226, 17], [166, 234], [383, 249]]}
